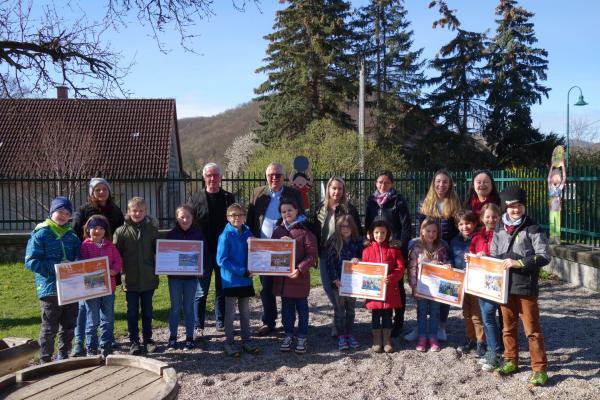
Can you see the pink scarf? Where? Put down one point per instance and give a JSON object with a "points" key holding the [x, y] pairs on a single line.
{"points": [[381, 198]]}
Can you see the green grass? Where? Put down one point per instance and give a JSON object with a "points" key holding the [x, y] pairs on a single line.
{"points": [[20, 311]]}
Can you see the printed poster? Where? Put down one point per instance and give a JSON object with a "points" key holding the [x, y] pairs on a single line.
{"points": [[82, 280], [271, 256], [487, 278], [364, 280], [179, 257], [441, 283]]}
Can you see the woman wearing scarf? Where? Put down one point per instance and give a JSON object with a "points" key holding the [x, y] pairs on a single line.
{"points": [[482, 191], [389, 205]]}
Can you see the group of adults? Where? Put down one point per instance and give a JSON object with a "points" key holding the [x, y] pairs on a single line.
{"points": [[210, 204]]}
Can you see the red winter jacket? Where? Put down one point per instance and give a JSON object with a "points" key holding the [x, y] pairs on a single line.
{"points": [[306, 257], [393, 258], [481, 241]]}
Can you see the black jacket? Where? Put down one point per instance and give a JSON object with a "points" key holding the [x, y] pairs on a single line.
{"points": [[340, 210], [394, 212], [111, 212], [260, 202], [199, 203]]}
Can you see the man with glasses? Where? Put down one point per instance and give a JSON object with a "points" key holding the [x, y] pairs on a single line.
{"points": [[210, 215], [263, 214]]}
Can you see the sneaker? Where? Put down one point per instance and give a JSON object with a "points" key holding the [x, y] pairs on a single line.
{"points": [[485, 357], [507, 368], [106, 350], [232, 350], [150, 346], [199, 334], [433, 344], [219, 326], [442, 336], [300, 345], [538, 378], [352, 342], [189, 344], [250, 348], [78, 350], [491, 363], [172, 343], [135, 349], [480, 350], [412, 335], [421, 344], [343, 343], [286, 343], [466, 347], [264, 330], [92, 352]]}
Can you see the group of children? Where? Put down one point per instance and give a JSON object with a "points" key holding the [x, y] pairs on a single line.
{"points": [[131, 252]]}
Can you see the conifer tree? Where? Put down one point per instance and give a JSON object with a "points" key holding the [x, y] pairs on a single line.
{"points": [[309, 68], [516, 68]]}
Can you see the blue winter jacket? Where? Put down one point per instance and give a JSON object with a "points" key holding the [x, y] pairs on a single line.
{"points": [[232, 257], [458, 247], [44, 249]]}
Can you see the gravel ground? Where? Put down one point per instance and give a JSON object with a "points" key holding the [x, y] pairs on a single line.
{"points": [[570, 322]]}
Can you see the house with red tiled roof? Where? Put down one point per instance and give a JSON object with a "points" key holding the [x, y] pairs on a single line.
{"points": [[61, 143]]}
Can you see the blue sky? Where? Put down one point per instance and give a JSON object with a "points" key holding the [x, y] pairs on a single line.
{"points": [[231, 47]]}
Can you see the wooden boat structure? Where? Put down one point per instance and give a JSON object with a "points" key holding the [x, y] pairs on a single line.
{"points": [[16, 353]]}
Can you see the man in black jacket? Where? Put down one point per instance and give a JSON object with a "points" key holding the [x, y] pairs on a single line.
{"points": [[263, 214], [210, 206]]}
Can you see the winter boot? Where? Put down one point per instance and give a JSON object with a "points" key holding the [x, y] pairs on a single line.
{"points": [[377, 341], [387, 341]]}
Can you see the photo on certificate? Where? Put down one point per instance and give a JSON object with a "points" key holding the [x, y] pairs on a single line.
{"points": [[271, 256], [440, 283], [82, 280], [364, 280], [487, 278], [179, 257]]}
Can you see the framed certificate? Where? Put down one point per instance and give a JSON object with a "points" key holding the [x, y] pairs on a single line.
{"points": [[487, 278], [82, 280], [179, 257], [441, 283], [271, 256], [364, 280]]}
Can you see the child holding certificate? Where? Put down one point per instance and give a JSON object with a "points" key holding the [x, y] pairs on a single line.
{"points": [[182, 288], [344, 244], [480, 245], [100, 311], [466, 221], [380, 251], [523, 246], [295, 287], [136, 241], [53, 242], [232, 257], [428, 248]]}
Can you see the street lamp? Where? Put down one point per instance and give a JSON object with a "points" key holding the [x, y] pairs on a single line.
{"points": [[580, 102]]}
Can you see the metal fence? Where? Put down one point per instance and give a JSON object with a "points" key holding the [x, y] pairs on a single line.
{"points": [[25, 200]]}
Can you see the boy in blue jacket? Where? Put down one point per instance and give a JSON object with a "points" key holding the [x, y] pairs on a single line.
{"points": [[232, 257], [53, 242]]}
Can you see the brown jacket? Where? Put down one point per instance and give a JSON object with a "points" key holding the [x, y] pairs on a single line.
{"points": [[260, 202]]}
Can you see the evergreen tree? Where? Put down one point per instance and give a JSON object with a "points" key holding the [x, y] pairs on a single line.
{"points": [[310, 73], [394, 70], [459, 96], [515, 70]]}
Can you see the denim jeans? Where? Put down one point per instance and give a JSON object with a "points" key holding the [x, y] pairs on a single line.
{"points": [[289, 307], [490, 326], [381, 318], [56, 320], [135, 301], [81, 322], [182, 293], [100, 312], [428, 327], [444, 312], [326, 281], [269, 302], [202, 292], [243, 304]]}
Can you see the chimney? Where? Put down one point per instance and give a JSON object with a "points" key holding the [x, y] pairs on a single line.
{"points": [[62, 92]]}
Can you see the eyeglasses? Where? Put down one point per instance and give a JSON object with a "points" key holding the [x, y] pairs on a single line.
{"points": [[344, 226], [212, 176], [237, 215], [276, 176]]}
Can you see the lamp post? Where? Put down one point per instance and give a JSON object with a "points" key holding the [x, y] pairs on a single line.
{"points": [[580, 102]]}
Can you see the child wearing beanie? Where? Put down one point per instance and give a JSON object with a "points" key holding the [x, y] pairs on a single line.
{"points": [[523, 246]]}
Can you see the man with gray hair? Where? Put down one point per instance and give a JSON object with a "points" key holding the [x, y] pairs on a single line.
{"points": [[210, 215], [263, 214]]}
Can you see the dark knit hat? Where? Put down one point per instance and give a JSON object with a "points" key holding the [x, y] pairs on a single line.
{"points": [[60, 202], [96, 220], [96, 181], [513, 195]]}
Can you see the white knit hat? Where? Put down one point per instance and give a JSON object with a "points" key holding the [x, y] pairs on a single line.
{"points": [[96, 181]]}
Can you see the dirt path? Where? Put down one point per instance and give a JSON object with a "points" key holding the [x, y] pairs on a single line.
{"points": [[570, 322]]}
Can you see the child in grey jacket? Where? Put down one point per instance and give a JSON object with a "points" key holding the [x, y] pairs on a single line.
{"points": [[524, 247]]}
